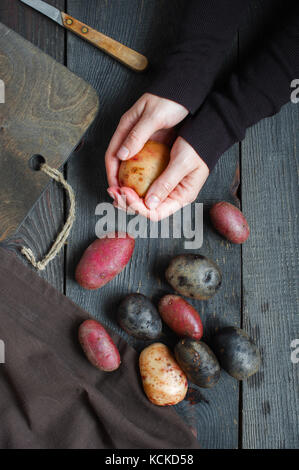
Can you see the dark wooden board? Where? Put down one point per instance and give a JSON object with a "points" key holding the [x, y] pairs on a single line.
{"points": [[148, 27], [47, 110], [40, 229], [270, 198]]}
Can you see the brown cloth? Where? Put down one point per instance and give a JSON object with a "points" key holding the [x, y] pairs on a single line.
{"points": [[50, 396]]}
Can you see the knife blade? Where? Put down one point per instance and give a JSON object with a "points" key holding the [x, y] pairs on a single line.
{"points": [[46, 9], [115, 49]]}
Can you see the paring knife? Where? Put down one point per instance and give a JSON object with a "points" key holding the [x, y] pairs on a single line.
{"points": [[120, 52]]}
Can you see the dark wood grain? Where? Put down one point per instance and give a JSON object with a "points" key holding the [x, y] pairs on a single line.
{"points": [[270, 275], [40, 229], [47, 110], [149, 27], [270, 268]]}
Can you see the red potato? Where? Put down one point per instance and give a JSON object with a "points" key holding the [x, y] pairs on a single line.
{"points": [[104, 259], [180, 316], [230, 222], [98, 346]]}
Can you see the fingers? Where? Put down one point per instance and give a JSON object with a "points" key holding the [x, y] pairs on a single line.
{"points": [[182, 163], [111, 159], [138, 136], [135, 204], [147, 116], [163, 186], [131, 202], [112, 167], [184, 193], [133, 131], [156, 114], [176, 187], [125, 125]]}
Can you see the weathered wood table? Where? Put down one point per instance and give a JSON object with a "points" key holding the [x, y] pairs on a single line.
{"points": [[260, 288]]}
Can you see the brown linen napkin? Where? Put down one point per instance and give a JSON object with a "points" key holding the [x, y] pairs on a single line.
{"points": [[50, 396]]}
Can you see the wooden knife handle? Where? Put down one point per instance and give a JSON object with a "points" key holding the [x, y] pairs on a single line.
{"points": [[123, 54]]}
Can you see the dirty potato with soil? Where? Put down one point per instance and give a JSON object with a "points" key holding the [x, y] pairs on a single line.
{"points": [[194, 276], [198, 362], [138, 316], [236, 352], [163, 380]]}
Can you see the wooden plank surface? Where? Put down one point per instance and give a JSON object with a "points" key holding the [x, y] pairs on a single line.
{"points": [[270, 267], [268, 406], [148, 27], [270, 276], [40, 229]]}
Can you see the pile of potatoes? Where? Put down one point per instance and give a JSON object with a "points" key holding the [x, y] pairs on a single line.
{"points": [[164, 375]]}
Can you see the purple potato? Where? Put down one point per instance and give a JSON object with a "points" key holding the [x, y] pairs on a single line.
{"points": [[198, 362], [236, 352], [138, 316]]}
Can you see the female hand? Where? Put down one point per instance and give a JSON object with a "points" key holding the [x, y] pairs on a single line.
{"points": [[154, 117]]}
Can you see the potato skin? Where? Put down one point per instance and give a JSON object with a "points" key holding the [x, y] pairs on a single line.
{"points": [[104, 259], [236, 352], [98, 346], [138, 316], [180, 316], [198, 362], [194, 276], [230, 222], [163, 381], [140, 171]]}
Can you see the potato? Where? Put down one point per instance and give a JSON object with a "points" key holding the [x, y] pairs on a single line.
{"points": [[180, 316], [98, 346], [198, 362], [140, 171], [237, 353], [103, 260], [194, 276], [139, 317], [163, 381], [230, 222]]}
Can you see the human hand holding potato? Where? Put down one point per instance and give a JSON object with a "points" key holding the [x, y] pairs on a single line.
{"points": [[155, 118], [140, 171]]}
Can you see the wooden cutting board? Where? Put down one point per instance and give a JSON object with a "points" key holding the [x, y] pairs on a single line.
{"points": [[46, 112]]}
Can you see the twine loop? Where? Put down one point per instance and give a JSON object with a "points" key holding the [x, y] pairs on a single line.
{"points": [[63, 235]]}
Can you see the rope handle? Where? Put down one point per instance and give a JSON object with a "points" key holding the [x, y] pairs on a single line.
{"points": [[63, 235]]}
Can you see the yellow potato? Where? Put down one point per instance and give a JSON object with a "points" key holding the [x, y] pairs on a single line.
{"points": [[163, 380], [144, 168]]}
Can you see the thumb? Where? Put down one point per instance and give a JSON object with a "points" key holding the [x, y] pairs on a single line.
{"points": [[164, 185], [137, 137]]}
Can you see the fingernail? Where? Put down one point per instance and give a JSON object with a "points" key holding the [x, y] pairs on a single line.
{"points": [[152, 202], [123, 153], [110, 194]]}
